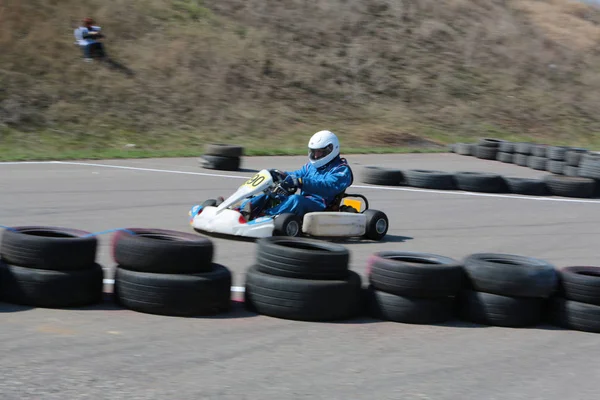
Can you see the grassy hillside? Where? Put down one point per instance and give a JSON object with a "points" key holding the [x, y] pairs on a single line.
{"points": [[266, 73]]}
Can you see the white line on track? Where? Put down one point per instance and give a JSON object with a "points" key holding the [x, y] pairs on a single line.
{"points": [[403, 189]]}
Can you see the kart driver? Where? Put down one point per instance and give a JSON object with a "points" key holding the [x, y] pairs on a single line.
{"points": [[320, 180]]}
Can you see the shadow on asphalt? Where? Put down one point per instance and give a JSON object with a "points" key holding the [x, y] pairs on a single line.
{"points": [[9, 308]]}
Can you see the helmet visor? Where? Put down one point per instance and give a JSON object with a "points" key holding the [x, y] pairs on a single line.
{"points": [[317, 154]]}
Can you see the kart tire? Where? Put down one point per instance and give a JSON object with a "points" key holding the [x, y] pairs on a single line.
{"points": [[415, 274], [575, 315], [539, 151], [556, 167], [303, 299], [557, 153], [377, 224], [464, 149], [570, 186], [580, 284], [573, 157], [537, 163], [480, 182], [505, 157], [50, 248], [221, 163], [49, 288], [182, 295], [521, 159], [430, 179], [492, 309], [486, 152], [510, 275], [302, 258], [382, 176], [526, 186], [162, 251], [507, 147], [523, 148], [409, 310], [287, 224], [224, 150]]}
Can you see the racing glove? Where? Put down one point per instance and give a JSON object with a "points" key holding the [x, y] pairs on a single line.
{"points": [[291, 183]]}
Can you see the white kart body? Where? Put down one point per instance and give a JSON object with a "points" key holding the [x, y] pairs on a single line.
{"points": [[224, 220]]}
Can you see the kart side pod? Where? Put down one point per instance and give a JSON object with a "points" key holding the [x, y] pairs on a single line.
{"points": [[372, 224]]}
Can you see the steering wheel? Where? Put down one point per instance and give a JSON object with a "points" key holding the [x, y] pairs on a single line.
{"points": [[277, 175]]}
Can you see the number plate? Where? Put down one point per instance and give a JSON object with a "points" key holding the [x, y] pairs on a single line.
{"points": [[256, 180]]}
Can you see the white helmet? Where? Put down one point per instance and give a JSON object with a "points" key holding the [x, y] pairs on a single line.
{"points": [[323, 147]]}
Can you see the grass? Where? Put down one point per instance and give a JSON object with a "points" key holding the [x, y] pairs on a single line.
{"points": [[386, 75]]}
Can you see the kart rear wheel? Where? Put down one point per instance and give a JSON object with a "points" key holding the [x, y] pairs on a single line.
{"points": [[288, 224], [377, 224]]}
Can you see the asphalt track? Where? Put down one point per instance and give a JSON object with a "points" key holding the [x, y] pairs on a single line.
{"points": [[105, 352]]}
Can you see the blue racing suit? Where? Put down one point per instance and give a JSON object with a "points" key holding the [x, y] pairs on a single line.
{"points": [[319, 187]]}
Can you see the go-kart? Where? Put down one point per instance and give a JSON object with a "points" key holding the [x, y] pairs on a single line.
{"points": [[344, 218]]}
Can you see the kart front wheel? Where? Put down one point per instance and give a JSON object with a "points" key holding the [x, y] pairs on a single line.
{"points": [[377, 224], [287, 224]]}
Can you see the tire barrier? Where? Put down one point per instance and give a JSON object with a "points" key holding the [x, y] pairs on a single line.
{"points": [[573, 172], [173, 273], [169, 273], [49, 267], [222, 157], [302, 279]]}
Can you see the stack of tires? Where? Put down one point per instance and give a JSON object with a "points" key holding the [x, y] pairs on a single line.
{"points": [[411, 287], [302, 279], [169, 273], [506, 290], [220, 156], [577, 303], [49, 267]]}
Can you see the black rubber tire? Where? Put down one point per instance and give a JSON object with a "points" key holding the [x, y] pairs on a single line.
{"points": [[511, 275], [302, 299], [162, 251], [285, 223], [492, 309], [382, 176], [409, 310], [224, 150], [590, 166], [581, 284], [505, 157], [526, 186], [557, 153], [182, 295], [489, 142], [49, 288], [573, 157], [537, 163], [521, 159], [574, 315], [480, 182], [523, 148], [507, 147], [486, 152], [430, 179], [373, 218], [570, 186], [464, 149], [571, 170], [539, 150], [302, 258], [414, 274], [221, 163], [50, 248], [556, 167]]}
